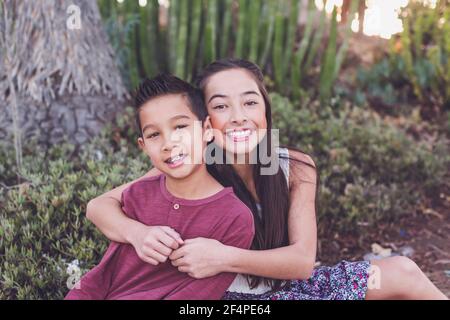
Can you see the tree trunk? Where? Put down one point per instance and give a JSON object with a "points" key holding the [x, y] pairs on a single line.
{"points": [[62, 70]]}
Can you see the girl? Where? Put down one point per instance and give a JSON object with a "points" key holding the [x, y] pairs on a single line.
{"points": [[280, 263]]}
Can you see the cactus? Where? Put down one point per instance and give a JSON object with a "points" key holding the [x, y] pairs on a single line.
{"points": [[316, 41], [173, 33], [270, 6], [181, 44], [240, 34], [255, 11], [264, 32], [328, 65], [210, 31], [344, 46], [277, 59], [300, 54], [194, 34], [291, 33], [226, 28]]}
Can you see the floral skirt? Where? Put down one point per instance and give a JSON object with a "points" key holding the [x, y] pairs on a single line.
{"points": [[344, 281]]}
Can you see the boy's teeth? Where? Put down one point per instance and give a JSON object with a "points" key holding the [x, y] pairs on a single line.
{"points": [[176, 158]]}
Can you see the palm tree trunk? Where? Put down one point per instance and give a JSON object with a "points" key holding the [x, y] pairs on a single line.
{"points": [[64, 74]]}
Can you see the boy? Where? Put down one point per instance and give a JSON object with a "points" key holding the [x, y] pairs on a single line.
{"points": [[174, 130]]}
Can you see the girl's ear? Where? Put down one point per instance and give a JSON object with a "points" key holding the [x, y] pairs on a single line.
{"points": [[208, 133]]}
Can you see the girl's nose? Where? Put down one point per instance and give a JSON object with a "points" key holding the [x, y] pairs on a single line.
{"points": [[238, 116]]}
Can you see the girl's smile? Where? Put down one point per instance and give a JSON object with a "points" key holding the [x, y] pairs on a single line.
{"points": [[237, 110]]}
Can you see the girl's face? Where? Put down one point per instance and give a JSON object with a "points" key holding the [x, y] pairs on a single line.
{"points": [[237, 110]]}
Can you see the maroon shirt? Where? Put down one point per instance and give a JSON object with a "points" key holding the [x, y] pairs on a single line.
{"points": [[121, 274]]}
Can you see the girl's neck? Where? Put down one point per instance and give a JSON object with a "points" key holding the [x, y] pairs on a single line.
{"points": [[245, 172], [198, 185]]}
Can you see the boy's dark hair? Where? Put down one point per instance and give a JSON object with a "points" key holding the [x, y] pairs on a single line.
{"points": [[164, 84]]}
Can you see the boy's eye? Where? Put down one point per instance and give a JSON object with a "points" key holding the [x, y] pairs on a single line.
{"points": [[219, 107], [152, 135], [181, 126]]}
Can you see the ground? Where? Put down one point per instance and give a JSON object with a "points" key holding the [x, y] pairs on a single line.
{"points": [[427, 232]]}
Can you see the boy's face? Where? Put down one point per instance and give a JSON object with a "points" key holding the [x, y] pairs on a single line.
{"points": [[172, 135]]}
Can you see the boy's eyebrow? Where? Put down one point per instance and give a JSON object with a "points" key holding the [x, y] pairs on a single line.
{"points": [[180, 116], [147, 126], [224, 96]]}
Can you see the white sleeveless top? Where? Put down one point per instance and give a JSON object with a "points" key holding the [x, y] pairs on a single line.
{"points": [[240, 283]]}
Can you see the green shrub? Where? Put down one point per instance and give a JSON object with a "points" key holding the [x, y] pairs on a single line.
{"points": [[417, 67], [43, 227], [369, 171]]}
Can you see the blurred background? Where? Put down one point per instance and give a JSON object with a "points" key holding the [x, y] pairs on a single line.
{"points": [[362, 86]]}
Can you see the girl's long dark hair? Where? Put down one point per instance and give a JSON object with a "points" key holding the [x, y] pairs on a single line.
{"points": [[271, 229]]}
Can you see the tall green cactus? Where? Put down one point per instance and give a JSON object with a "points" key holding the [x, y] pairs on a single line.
{"points": [[181, 44], [290, 37], [240, 33], [199, 31], [342, 52], [173, 33], [210, 51], [196, 7], [317, 38], [296, 72], [226, 28], [327, 70], [269, 6], [278, 45], [255, 13]]}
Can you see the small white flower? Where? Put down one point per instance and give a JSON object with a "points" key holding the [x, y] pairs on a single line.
{"points": [[73, 267]]}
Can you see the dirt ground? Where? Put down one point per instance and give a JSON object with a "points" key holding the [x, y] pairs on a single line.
{"points": [[427, 232]]}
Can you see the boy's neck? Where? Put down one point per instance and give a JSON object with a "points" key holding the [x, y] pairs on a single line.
{"points": [[198, 185]]}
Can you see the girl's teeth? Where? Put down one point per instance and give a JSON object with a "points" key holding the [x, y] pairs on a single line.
{"points": [[239, 133]]}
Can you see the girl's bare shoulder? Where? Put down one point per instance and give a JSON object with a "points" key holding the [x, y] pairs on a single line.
{"points": [[302, 168]]}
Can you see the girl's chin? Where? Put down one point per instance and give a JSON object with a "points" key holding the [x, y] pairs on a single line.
{"points": [[240, 150]]}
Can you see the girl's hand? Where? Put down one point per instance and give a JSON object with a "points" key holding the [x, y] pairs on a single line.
{"points": [[154, 244], [200, 257]]}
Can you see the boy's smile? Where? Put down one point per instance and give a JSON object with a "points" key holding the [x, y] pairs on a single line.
{"points": [[172, 135]]}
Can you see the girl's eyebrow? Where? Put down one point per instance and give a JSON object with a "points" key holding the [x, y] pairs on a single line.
{"points": [[249, 92], [224, 96], [217, 96]]}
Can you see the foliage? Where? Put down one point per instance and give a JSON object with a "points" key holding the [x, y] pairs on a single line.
{"points": [[417, 67], [187, 35], [369, 171]]}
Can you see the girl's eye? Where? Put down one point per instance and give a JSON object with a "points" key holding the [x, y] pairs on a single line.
{"points": [[251, 103], [219, 107], [153, 135], [181, 126]]}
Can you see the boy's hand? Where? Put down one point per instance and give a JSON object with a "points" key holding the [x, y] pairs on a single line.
{"points": [[154, 244]]}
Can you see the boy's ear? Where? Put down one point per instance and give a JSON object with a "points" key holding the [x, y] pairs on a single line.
{"points": [[208, 135], [141, 143]]}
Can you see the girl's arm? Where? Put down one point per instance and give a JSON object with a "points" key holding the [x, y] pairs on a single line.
{"points": [[295, 261], [106, 213]]}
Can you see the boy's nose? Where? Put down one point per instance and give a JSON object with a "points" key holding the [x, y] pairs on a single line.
{"points": [[173, 141]]}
